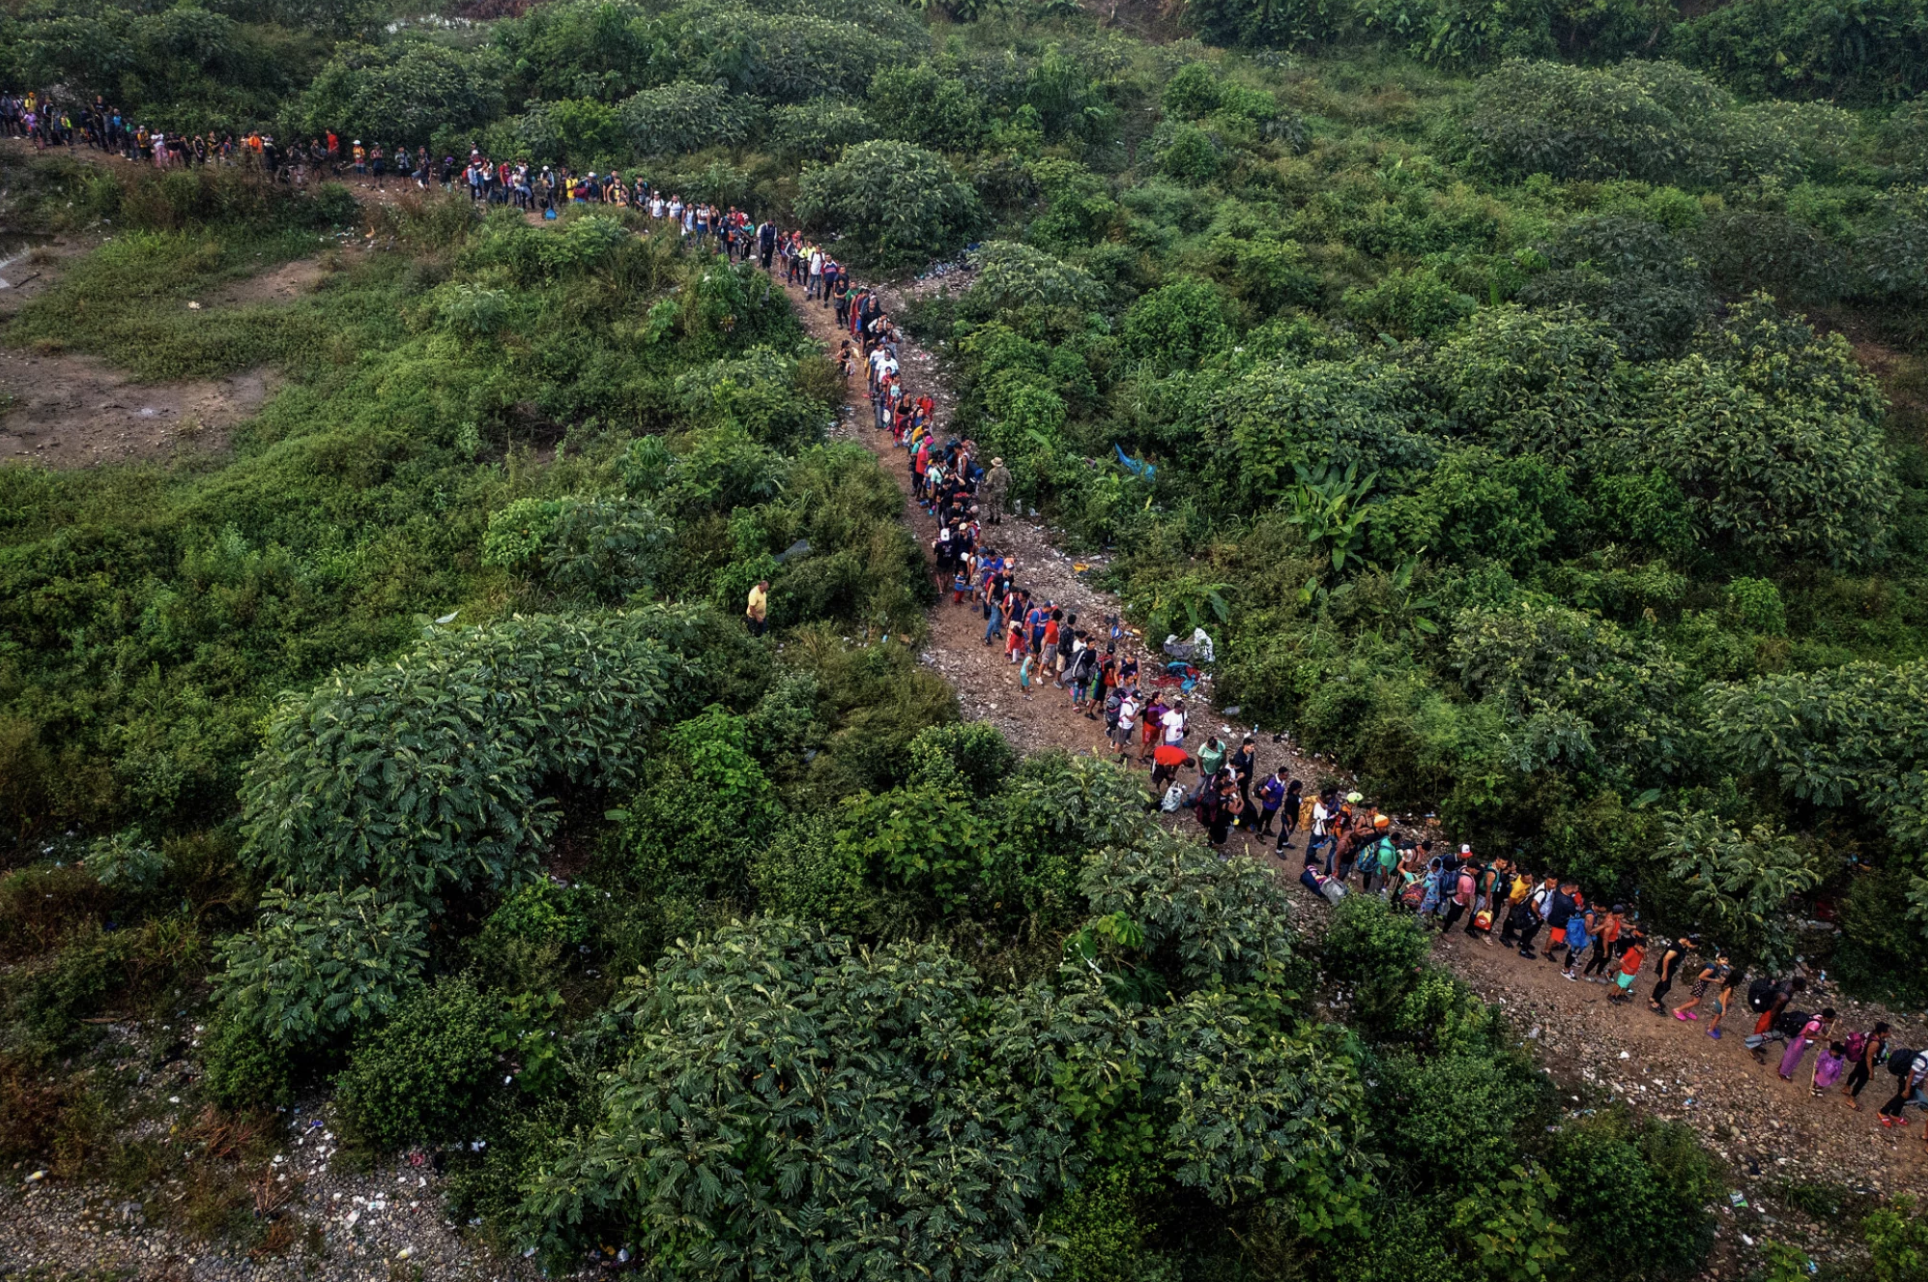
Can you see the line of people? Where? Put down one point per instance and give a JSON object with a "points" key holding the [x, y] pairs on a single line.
{"points": [[1498, 903]]}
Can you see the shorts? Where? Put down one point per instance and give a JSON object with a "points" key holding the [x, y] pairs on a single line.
{"points": [[1625, 981], [1121, 735], [1559, 935]]}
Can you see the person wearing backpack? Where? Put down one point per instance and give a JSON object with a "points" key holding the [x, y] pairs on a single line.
{"points": [[1777, 999], [1271, 797], [1813, 1029], [1579, 932], [1868, 1051], [1909, 1068], [1536, 904]]}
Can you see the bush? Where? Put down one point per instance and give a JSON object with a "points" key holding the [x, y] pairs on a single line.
{"points": [[321, 964], [1631, 1191], [423, 774], [1378, 953], [417, 1077], [897, 205], [1410, 304], [402, 92], [243, 1068], [820, 129]]}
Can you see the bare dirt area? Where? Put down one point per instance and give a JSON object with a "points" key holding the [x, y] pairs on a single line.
{"points": [[69, 411], [284, 284]]}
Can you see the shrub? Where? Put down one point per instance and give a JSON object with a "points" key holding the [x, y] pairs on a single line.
{"points": [[243, 1068], [404, 91], [417, 1077], [1410, 304], [1378, 953], [820, 129], [320, 964], [898, 205], [424, 774], [705, 810], [830, 1055], [1631, 1190], [685, 116]]}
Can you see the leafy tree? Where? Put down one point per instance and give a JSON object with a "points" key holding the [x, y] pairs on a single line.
{"points": [[403, 91], [1530, 382], [1278, 418], [1632, 1190], [685, 116], [923, 105], [898, 205], [1873, 52], [1017, 278], [706, 808], [317, 965], [1276, 24], [1576, 690], [820, 129]]}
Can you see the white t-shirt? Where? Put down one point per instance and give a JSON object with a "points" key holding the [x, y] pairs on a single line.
{"points": [[1174, 727], [1127, 714]]}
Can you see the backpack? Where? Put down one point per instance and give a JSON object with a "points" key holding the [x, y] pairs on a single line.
{"points": [[1855, 1044], [1900, 1059], [1790, 1022], [1413, 895], [1760, 994]]}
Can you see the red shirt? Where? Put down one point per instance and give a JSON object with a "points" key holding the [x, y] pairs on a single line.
{"points": [[1630, 963]]}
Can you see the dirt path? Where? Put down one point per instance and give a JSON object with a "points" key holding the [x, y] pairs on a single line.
{"points": [[986, 682]]}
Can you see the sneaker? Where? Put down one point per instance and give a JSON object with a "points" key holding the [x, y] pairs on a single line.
{"points": [[1529, 954], [1567, 976], [1714, 1033]]}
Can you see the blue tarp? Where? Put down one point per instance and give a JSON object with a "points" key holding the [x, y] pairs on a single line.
{"points": [[1137, 467]]}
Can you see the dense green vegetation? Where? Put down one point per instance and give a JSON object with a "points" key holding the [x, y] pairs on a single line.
{"points": [[1535, 398]]}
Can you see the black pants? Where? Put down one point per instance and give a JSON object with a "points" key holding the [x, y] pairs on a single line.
{"points": [[1529, 933], [1453, 913], [1265, 823], [1857, 1078], [1661, 989], [1602, 956], [1894, 1107]]}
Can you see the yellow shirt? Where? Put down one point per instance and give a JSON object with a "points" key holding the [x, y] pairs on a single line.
{"points": [[759, 604]]}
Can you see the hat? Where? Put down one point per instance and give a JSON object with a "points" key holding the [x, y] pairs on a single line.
{"points": [[1465, 850], [1383, 821], [357, 142], [997, 462], [1355, 796]]}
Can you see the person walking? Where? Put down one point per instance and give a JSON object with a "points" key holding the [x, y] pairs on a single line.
{"points": [[1911, 1077], [1873, 1054], [1670, 959], [758, 609], [1714, 972], [1813, 1030]]}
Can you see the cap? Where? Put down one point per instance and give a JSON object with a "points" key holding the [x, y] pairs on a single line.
{"points": [[997, 462], [1465, 850], [1355, 796]]}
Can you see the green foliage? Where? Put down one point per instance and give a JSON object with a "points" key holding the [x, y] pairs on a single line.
{"points": [[321, 964], [820, 129], [1632, 1190], [1409, 304], [1379, 953], [1897, 1241], [1874, 52], [1105, 1233], [1509, 1230], [1738, 886], [685, 116], [770, 1065], [243, 1068], [416, 1078], [425, 775], [404, 91], [897, 205], [706, 808]]}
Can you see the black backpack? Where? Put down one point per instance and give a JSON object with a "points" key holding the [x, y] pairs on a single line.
{"points": [[1790, 1022], [1900, 1059], [1760, 994]]}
